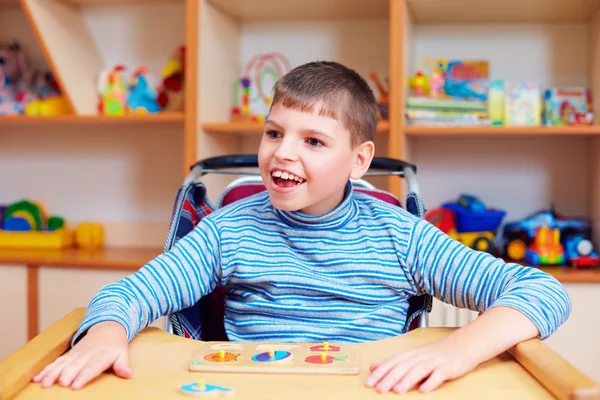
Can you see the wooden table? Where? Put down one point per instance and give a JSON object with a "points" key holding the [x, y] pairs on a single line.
{"points": [[159, 361]]}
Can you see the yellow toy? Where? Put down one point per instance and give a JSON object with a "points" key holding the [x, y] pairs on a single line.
{"points": [[25, 224]]}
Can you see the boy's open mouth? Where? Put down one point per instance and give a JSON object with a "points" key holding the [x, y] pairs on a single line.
{"points": [[285, 179]]}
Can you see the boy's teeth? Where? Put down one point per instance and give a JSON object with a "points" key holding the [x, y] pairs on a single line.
{"points": [[277, 174], [287, 175], [284, 175]]}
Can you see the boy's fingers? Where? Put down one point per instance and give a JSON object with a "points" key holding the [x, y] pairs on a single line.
{"points": [[52, 373], [92, 369], [47, 368], [383, 368], [413, 377], [121, 366], [435, 379], [72, 368]]}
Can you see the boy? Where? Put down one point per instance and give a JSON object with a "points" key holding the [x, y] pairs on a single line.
{"points": [[312, 260]]}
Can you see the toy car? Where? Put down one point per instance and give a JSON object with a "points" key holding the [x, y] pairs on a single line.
{"points": [[518, 236]]}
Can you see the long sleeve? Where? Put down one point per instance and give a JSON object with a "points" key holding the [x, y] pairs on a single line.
{"points": [[170, 282], [465, 278]]}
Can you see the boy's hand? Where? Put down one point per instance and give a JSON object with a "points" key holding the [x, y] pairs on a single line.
{"points": [[492, 333], [104, 346], [433, 363]]}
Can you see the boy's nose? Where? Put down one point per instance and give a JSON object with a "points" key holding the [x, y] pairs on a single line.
{"points": [[286, 151]]}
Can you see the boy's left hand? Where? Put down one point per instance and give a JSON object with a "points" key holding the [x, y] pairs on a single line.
{"points": [[433, 363]]}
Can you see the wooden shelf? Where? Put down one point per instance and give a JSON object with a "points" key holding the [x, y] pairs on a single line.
{"points": [[251, 128], [572, 275], [507, 11], [120, 258], [502, 130], [101, 2], [262, 10], [163, 118]]}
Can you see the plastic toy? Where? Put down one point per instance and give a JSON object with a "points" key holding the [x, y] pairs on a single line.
{"points": [[14, 79], [27, 224], [171, 92], [518, 236], [419, 84], [546, 248], [383, 102], [141, 98], [468, 221], [579, 251], [437, 74], [266, 69], [112, 91]]}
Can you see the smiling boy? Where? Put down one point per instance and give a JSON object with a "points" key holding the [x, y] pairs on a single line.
{"points": [[312, 260]]}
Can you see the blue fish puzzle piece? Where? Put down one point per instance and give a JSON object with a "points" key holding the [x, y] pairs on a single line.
{"points": [[193, 389]]}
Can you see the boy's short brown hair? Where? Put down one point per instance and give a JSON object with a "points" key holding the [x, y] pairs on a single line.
{"points": [[339, 92]]}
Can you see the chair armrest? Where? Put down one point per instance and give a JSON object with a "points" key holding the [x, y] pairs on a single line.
{"points": [[561, 378], [19, 368]]}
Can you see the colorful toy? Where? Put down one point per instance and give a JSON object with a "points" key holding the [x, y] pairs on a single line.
{"points": [[141, 98], [15, 80], [546, 248], [266, 69], [419, 84], [468, 221], [568, 107], [579, 252], [301, 358], [518, 236], [171, 92], [200, 388], [112, 91], [48, 100], [27, 224], [437, 74], [383, 102]]}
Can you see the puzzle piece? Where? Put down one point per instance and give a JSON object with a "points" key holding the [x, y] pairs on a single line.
{"points": [[202, 389]]}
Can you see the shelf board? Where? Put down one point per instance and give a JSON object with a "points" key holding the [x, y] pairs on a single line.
{"points": [[502, 130], [22, 120], [250, 128], [102, 2], [270, 10], [569, 274], [119, 258], [506, 11]]}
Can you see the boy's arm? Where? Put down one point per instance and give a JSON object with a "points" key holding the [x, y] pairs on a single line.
{"points": [[170, 282], [465, 278], [518, 303]]}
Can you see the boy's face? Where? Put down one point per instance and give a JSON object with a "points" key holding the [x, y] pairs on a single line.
{"points": [[317, 151]]}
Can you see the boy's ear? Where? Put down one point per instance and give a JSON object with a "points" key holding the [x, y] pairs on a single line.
{"points": [[363, 155]]}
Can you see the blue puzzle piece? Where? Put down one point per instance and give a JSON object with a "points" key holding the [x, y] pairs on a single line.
{"points": [[194, 390]]}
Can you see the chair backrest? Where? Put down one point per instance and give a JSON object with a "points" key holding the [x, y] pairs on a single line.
{"points": [[205, 320]]}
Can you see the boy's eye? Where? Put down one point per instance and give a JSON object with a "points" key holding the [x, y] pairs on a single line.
{"points": [[314, 142], [273, 134]]}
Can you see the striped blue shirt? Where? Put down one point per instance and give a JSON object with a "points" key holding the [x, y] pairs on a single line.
{"points": [[345, 276]]}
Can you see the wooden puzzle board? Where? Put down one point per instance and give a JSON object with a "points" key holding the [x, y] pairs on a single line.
{"points": [[273, 358]]}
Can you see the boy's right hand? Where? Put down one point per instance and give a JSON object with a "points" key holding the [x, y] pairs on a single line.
{"points": [[104, 346]]}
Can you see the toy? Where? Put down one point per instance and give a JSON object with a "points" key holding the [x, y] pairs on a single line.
{"points": [[419, 84], [546, 248], [273, 358], [200, 388], [517, 236], [437, 74], [268, 68], [496, 103], [112, 91], [141, 98], [579, 251], [468, 221], [15, 80], [568, 107], [26, 224], [48, 99], [171, 92], [383, 101]]}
